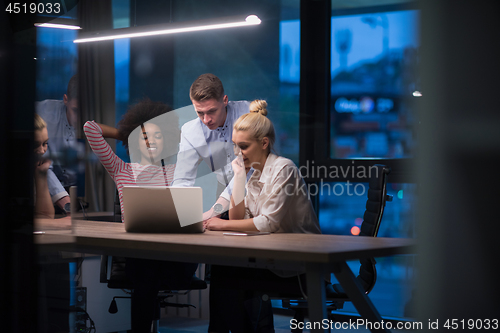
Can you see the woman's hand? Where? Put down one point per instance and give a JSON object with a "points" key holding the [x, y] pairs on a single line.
{"points": [[214, 223], [238, 165], [42, 166], [110, 132], [218, 224]]}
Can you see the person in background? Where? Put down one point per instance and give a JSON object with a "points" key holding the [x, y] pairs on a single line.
{"points": [[61, 117], [150, 132], [274, 199], [208, 138], [43, 203], [54, 285]]}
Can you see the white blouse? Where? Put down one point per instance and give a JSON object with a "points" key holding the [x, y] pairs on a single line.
{"points": [[278, 200]]}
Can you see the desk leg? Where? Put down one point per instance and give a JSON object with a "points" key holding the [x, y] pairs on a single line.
{"points": [[316, 294], [358, 296]]}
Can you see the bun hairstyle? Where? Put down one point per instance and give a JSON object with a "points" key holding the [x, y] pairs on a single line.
{"points": [[259, 106], [257, 123]]}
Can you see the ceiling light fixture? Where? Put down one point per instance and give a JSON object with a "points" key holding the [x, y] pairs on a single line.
{"points": [[57, 26], [166, 29]]}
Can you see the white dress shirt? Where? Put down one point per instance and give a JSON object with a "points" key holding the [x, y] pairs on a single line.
{"points": [[278, 199], [215, 147]]}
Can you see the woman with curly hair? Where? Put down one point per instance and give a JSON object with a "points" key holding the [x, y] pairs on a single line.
{"points": [[150, 132]]}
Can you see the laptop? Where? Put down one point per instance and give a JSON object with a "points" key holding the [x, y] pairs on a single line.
{"points": [[163, 209]]}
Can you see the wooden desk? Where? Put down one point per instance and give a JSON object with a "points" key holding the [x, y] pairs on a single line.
{"points": [[318, 254]]}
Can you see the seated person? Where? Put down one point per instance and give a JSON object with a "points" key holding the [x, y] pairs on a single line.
{"points": [[276, 200], [54, 293], [43, 203], [147, 140], [150, 142], [61, 117]]}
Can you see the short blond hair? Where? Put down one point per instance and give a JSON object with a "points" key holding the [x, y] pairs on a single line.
{"points": [[40, 124], [257, 123]]}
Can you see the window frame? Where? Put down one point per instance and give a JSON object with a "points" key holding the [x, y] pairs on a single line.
{"points": [[315, 83]]}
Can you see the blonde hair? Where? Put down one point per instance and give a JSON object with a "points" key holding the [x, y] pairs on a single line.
{"points": [[40, 124], [257, 123]]}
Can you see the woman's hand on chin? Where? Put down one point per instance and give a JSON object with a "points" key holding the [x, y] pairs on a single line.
{"points": [[238, 165], [42, 166]]}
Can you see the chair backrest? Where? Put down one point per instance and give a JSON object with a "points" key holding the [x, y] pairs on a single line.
{"points": [[377, 197], [117, 211]]}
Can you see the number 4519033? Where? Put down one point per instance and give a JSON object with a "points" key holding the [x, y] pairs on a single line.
{"points": [[33, 8], [463, 324]]}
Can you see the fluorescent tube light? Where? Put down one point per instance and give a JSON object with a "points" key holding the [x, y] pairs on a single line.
{"points": [[164, 30], [417, 93], [57, 26]]}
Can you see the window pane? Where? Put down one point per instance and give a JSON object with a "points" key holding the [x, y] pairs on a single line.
{"points": [[373, 67], [56, 61], [393, 292], [260, 62], [288, 124], [342, 206]]}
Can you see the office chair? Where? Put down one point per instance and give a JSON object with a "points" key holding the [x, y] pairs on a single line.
{"points": [[291, 293], [117, 279], [372, 218]]}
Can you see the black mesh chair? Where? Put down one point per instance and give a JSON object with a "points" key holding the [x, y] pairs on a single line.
{"points": [[375, 205], [372, 218]]}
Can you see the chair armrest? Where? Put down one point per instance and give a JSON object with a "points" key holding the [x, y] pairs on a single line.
{"points": [[103, 277]]}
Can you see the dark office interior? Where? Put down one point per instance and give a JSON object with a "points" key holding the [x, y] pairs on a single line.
{"points": [[440, 146]]}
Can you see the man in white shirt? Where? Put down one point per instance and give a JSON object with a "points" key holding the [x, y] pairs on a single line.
{"points": [[209, 137], [61, 117]]}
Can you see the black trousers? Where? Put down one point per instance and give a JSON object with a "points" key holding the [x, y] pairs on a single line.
{"points": [[236, 298], [54, 297], [148, 278]]}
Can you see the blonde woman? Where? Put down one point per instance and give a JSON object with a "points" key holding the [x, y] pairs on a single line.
{"points": [[274, 199], [43, 203]]}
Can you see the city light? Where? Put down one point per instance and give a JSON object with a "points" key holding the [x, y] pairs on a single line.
{"points": [[355, 230]]}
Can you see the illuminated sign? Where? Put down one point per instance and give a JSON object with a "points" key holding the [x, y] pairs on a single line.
{"points": [[363, 105]]}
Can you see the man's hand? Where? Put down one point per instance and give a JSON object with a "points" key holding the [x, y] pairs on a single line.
{"points": [[63, 201], [208, 214], [221, 206], [110, 132]]}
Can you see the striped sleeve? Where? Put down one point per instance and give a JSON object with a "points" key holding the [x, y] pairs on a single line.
{"points": [[111, 162]]}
